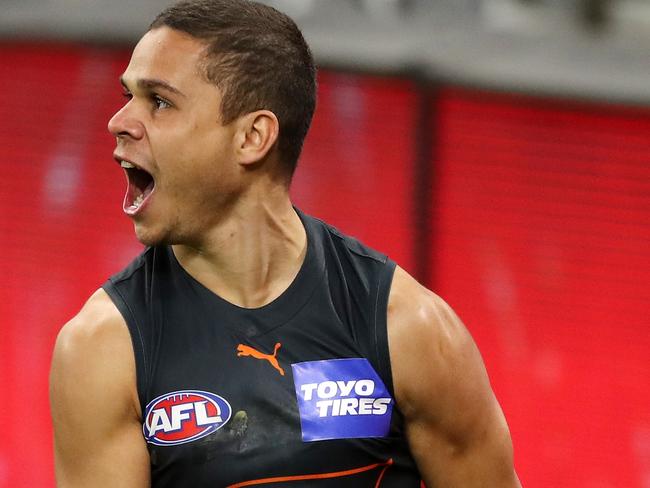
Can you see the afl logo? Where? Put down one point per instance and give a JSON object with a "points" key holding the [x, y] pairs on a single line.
{"points": [[184, 416]]}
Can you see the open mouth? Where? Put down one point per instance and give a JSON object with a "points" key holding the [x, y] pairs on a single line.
{"points": [[140, 185]]}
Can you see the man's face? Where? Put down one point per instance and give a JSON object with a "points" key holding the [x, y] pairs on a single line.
{"points": [[179, 158]]}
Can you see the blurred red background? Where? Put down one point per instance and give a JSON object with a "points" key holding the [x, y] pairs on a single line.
{"points": [[530, 216]]}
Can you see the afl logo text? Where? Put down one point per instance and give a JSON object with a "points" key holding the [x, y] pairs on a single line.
{"points": [[184, 416]]}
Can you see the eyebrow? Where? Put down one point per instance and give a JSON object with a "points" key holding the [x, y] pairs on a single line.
{"points": [[152, 84]]}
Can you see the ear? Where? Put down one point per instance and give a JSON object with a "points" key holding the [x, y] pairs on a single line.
{"points": [[257, 133]]}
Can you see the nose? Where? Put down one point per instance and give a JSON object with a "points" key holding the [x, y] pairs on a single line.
{"points": [[125, 123]]}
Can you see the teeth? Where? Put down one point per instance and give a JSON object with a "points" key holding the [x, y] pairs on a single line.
{"points": [[127, 165], [138, 201]]}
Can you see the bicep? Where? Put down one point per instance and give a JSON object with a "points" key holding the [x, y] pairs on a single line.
{"points": [[98, 439], [457, 431], [454, 425]]}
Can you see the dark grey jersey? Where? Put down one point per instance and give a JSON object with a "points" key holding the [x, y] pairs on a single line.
{"points": [[297, 393]]}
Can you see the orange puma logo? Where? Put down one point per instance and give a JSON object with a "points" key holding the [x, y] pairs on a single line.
{"points": [[244, 350]]}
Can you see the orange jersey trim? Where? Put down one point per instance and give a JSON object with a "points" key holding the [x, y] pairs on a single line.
{"points": [[318, 476]]}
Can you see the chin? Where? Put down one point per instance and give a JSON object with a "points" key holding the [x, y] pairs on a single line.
{"points": [[150, 237]]}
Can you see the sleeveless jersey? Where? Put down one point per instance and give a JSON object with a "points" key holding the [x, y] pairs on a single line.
{"points": [[296, 393]]}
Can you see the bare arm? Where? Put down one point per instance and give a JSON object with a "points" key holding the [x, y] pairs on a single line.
{"points": [[98, 439], [454, 424]]}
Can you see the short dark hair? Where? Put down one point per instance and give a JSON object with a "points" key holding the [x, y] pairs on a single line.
{"points": [[258, 58]]}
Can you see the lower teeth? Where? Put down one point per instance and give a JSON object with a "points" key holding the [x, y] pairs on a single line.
{"points": [[138, 201]]}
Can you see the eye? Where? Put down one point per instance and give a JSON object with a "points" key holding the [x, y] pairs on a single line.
{"points": [[160, 102]]}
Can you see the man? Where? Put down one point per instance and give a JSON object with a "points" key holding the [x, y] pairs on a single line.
{"points": [[251, 344]]}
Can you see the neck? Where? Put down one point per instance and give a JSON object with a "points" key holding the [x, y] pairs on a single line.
{"points": [[252, 256]]}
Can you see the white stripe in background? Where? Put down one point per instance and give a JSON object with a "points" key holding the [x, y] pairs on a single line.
{"points": [[64, 174]]}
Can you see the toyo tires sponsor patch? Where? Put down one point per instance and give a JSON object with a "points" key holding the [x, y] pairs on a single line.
{"points": [[341, 399]]}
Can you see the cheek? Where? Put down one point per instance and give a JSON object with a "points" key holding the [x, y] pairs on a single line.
{"points": [[193, 155], [167, 147], [190, 174], [212, 158]]}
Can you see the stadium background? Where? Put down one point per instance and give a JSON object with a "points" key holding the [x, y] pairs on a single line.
{"points": [[499, 150]]}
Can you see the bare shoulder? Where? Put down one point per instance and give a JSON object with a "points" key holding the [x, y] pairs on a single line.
{"points": [[94, 403], [98, 321], [96, 342], [93, 352], [454, 424], [423, 331]]}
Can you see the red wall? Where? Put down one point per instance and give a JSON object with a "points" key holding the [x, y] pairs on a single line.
{"points": [[542, 225], [540, 240]]}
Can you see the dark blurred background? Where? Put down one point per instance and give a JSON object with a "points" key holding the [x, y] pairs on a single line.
{"points": [[499, 150]]}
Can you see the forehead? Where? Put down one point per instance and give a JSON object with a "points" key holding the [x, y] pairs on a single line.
{"points": [[166, 54]]}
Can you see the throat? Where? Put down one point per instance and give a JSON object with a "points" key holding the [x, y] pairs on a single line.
{"points": [[249, 271]]}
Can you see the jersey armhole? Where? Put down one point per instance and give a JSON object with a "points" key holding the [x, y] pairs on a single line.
{"points": [[382, 352], [141, 367]]}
